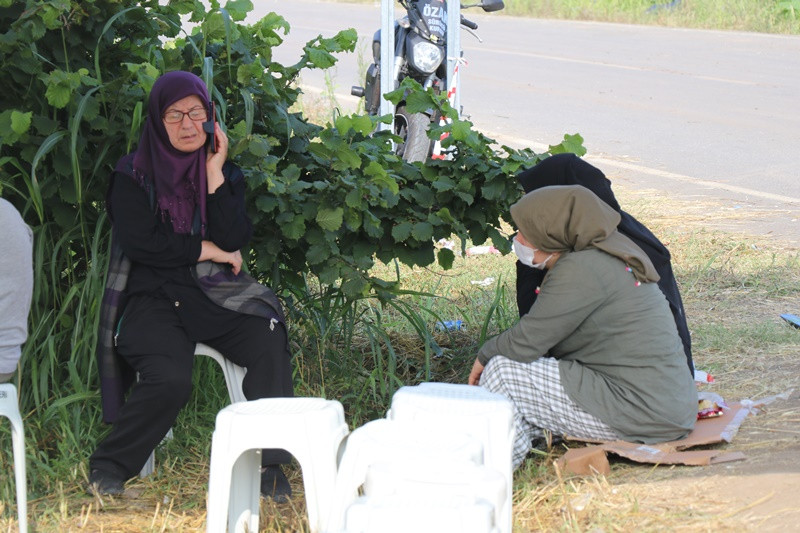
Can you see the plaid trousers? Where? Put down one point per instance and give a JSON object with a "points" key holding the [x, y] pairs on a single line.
{"points": [[540, 403]]}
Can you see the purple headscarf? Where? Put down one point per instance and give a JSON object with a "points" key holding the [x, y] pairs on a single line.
{"points": [[179, 178]]}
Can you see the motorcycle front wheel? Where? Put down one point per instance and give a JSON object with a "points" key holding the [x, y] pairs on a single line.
{"points": [[413, 129]]}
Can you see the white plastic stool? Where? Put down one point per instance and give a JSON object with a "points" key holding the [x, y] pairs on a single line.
{"points": [[311, 429], [400, 442], [432, 481], [466, 408], [10, 409], [234, 374], [400, 514]]}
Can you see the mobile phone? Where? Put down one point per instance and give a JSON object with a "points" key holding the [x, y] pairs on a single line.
{"points": [[209, 128]]}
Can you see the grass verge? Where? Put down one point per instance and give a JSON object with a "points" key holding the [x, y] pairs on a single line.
{"points": [[765, 16]]}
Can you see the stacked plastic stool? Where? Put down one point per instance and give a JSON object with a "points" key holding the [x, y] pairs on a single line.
{"points": [[9, 408], [406, 447], [311, 429], [428, 496], [473, 410], [406, 513], [430, 480]]}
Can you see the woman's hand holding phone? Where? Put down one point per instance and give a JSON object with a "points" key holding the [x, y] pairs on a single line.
{"points": [[215, 160]]}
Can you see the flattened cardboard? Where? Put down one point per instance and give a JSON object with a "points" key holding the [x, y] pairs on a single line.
{"points": [[594, 459]]}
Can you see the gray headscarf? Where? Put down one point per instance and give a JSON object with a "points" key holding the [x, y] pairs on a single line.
{"points": [[571, 218]]}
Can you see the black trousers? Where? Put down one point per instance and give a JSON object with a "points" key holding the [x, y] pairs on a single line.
{"points": [[154, 341]]}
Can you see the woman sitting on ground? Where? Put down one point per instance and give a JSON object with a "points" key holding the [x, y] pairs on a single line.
{"points": [[598, 356], [569, 169]]}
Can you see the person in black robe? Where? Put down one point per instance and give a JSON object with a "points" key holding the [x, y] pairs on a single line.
{"points": [[569, 169], [175, 278]]}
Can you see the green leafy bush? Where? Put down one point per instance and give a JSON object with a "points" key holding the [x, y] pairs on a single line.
{"points": [[325, 200]]}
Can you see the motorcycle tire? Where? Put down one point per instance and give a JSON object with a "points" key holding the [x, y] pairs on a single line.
{"points": [[413, 129]]}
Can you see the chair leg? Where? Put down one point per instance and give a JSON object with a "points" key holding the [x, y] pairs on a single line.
{"points": [[149, 465], [18, 438], [234, 374], [9, 407], [319, 480], [245, 492], [348, 479], [233, 486], [219, 492]]}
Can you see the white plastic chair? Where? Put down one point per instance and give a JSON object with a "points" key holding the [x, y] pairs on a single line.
{"points": [[311, 429], [10, 409], [234, 374], [404, 514], [405, 444], [470, 409]]}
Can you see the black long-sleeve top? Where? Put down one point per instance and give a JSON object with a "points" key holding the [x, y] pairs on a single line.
{"points": [[161, 259]]}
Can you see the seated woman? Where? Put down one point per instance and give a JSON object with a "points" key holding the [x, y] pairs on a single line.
{"points": [[179, 223], [616, 368], [569, 169], [16, 287]]}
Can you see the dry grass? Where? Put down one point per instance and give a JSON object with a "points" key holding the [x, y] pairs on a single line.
{"points": [[597, 504], [172, 500], [733, 301]]}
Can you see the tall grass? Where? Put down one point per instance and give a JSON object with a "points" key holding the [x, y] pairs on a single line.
{"points": [[766, 16]]}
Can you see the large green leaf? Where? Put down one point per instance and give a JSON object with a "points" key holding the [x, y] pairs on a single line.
{"points": [[445, 257], [330, 218], [295, 228], [352, 219], [402, 231], [355, 287], [320, 58], [20, 122], [317, 253], [353, 199], [571, 144], [238, 9], [422, 231], [60, 86]]}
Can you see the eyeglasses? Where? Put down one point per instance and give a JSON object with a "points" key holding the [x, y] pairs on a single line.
{"points": [[175, 116]]}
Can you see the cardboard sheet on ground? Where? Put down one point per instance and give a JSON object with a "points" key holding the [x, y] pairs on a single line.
{"points": [[594, 459]]}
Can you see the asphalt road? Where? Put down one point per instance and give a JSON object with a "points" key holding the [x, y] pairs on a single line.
{"points": [[694, 112]]}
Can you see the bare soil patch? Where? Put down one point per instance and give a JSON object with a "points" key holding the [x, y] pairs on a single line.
{"points": [[760, 493]]}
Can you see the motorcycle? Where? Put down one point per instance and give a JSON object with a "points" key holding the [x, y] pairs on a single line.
{"points": [[420, 52]]}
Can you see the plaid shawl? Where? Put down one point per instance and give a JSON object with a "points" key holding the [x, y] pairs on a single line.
{"points": [[115, 374], [240, 293]]}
